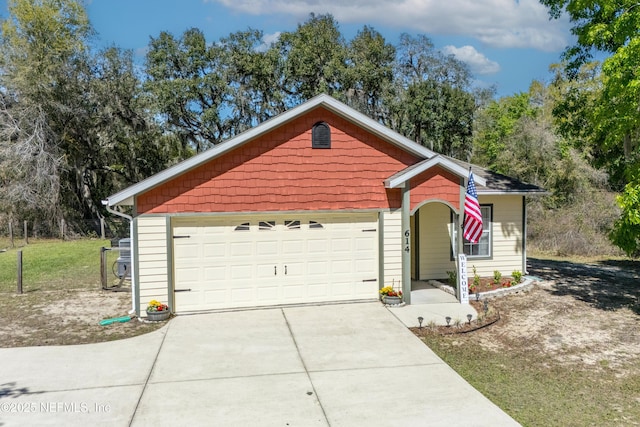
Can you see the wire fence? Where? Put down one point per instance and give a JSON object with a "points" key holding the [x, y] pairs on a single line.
{"points": [[22, 230]]}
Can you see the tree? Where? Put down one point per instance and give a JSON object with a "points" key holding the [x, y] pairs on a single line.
{"points": [[369, 73], [188, 88], [314, 59], [434, 105], [611, 28], [254, 77], [73, 124], [40, 43]]}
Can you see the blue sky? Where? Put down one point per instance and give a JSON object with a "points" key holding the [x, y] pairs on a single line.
{"points": [[507, 43]]}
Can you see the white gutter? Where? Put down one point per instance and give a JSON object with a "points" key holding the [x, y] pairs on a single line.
{"points": [[133, 252]]}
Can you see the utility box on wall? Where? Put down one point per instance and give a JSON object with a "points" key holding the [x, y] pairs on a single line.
{"points": [[124, 260]]}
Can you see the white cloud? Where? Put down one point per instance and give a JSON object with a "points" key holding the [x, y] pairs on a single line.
{"points": [[268, 40], [496, 23], [478, 63]]}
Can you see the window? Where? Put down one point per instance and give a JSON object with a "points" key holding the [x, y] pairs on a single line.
{"points": [[321, 135], [242, 227], [292, 224], [266, 225], [482, 249], [315, 225]]}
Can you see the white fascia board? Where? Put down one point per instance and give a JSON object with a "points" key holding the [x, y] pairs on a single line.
{"points": [[398, 180], [126, 196]]}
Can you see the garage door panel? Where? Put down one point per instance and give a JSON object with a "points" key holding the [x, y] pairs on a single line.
{"points": [[267, 248], [318, 268], [341, 267], [365, 243], [268, 294], [240, 248], [363, 266], [316, 291], [240, 271], [294, 293], [216, 296], [267, 271], [215, 250], [188, 251], [188, 274], [215, 273], [293, 247], [242, 295], [317, 246], [342, 245], [259, 261]]}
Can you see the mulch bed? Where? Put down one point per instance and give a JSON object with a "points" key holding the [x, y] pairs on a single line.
{"points": [[484, 320]]}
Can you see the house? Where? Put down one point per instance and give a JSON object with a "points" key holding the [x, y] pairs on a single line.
{"points": [[318, 204]]}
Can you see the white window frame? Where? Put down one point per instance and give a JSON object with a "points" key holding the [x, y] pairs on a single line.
{"points": [[484, 247]]}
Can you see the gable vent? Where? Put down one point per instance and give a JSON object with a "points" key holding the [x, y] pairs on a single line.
{"points": [[321, 136]]}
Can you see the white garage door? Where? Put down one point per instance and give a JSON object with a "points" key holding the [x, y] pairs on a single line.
{"points": [[273, 259]]}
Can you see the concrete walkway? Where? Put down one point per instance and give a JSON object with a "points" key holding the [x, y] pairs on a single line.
{"points": [[336, 365], [433, 305]]}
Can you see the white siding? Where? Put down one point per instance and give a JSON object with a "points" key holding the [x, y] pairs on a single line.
{"points": [[152, 260], [435, 241], [392, 248], [507, 237]]}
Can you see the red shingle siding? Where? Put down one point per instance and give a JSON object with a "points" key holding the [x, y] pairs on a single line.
{"points": [[435, 184], [280, 171]]}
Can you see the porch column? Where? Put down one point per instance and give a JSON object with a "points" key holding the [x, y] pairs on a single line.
{"points": [[406, 243]]}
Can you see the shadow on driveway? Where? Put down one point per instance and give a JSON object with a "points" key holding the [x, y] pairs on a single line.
{"points": [[607, 285]]}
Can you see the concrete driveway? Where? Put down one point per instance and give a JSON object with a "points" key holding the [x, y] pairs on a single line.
{"points": [[338, 365]]}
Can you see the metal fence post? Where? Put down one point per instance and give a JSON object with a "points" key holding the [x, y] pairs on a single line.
{"points": [[19, 272]]}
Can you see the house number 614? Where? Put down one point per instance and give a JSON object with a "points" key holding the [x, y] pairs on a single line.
{"points": [[407, 245]]}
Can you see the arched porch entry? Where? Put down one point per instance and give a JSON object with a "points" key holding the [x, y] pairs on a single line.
{"points": [[433, 231]]}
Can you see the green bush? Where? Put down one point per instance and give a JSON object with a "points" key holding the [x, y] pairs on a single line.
{"points": [[453, 278], [517, 276], [497, 276]]}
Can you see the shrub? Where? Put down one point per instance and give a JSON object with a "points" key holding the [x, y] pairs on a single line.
{"points": [[517, 276], [453, 278], [497, 276]]}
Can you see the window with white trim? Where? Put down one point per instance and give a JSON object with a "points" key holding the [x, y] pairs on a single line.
{"points": [[482, 249]]}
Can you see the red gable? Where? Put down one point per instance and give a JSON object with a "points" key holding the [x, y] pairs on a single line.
{"points": [[280, 171]]}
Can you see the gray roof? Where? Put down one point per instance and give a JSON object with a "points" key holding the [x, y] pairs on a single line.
{"points": [[498, 183]]}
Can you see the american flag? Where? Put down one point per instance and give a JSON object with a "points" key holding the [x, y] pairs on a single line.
{"points": [[473, 216]]}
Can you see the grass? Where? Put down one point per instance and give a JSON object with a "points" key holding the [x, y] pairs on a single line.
{"points": [[537, 392], [565, 353], [62, 301], [54, 265]]}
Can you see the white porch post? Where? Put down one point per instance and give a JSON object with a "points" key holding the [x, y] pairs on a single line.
{"points": [[406, 243], [460, 241]]}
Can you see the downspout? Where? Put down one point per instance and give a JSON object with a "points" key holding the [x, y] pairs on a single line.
{"points": [[129, 218]]}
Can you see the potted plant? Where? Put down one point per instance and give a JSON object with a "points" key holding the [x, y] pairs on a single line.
{"points": [[157, 311], [390, 296]]}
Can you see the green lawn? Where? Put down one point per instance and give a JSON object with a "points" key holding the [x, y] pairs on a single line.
{"points": [[535, 391], [54, 265]]}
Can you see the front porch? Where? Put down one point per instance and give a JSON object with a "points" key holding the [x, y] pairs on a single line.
{"points": [[433, 305]]}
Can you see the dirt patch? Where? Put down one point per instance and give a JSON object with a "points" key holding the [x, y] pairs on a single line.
{"points": [[66, 317], [585, 315]]}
